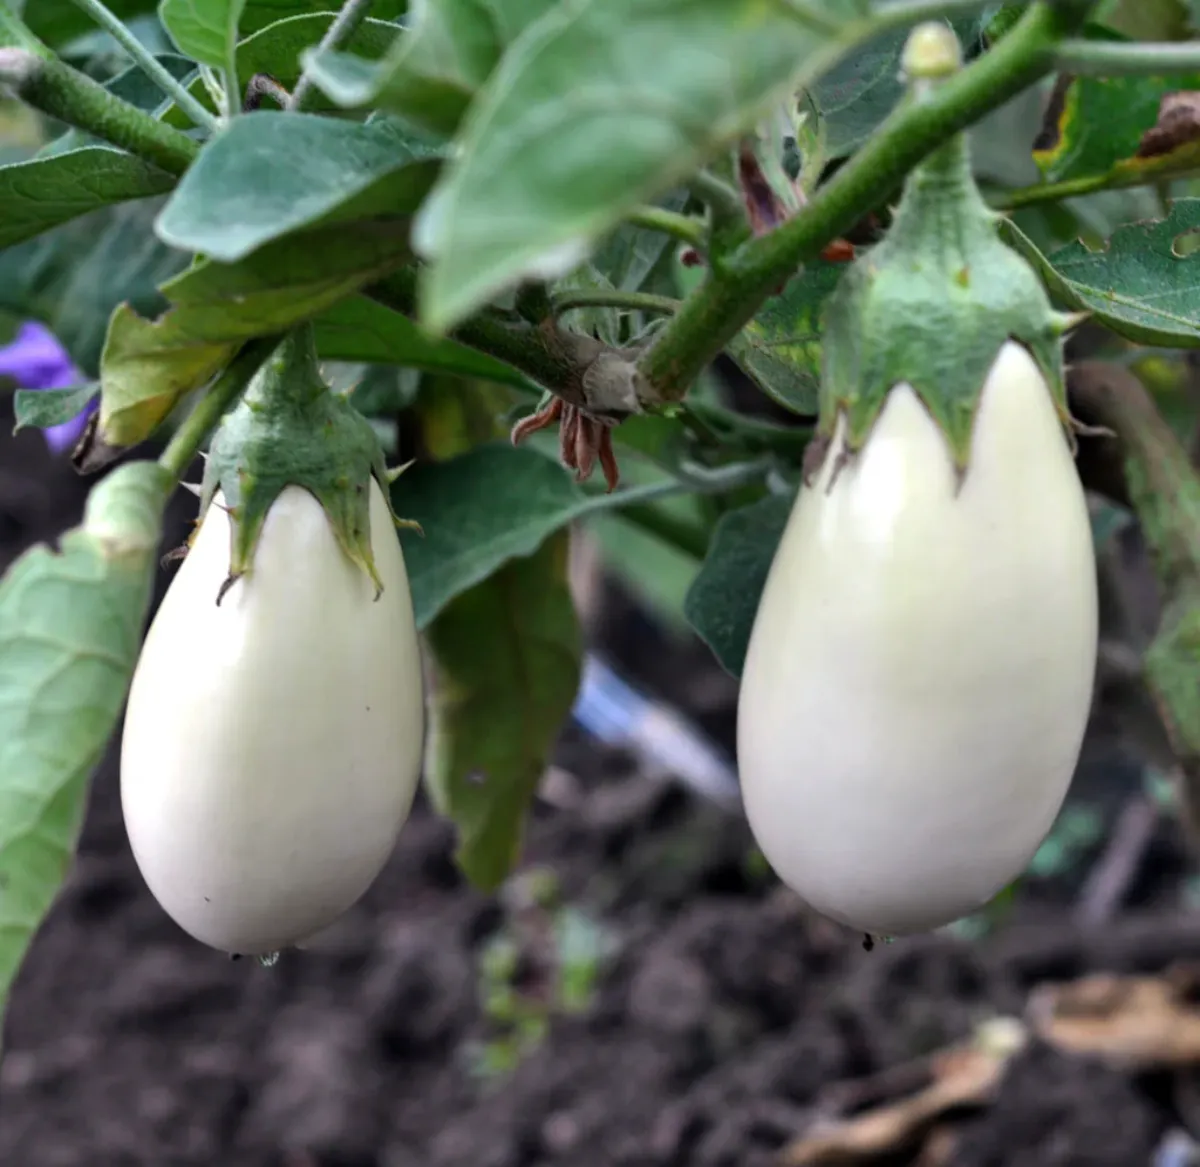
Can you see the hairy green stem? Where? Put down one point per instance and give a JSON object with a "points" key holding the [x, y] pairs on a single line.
{"points": [[526, 347], [185, 443], [232, 97], [345, 25], [1068, 188], [15, 34], [613, 298], [1052, 192], [48, 85], [1117, 58], [681, 227], [148, 63], [730, 296], [722, 199]]}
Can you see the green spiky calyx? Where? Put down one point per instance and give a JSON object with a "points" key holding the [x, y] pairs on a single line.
{"points": [[933, 304], [290, 429]]}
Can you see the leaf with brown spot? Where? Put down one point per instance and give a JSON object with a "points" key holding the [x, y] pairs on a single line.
{"points": [[1178, 125]]}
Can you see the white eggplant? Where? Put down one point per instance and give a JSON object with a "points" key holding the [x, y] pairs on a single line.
{"points": [[919, 675], [273, 741], [920, 672]]}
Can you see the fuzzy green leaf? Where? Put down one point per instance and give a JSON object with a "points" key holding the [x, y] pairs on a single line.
{"points": [[43, 408], [1138, 286], [723, 600], [149, 365], [360, 329], [482, 509], [45, 192], [59, 21], [780, 349], [205, 30], [72, 278], [648, 90], [70, 628], [268, 174], [507, 657], [629, 255], [862, 89], [277, 50], [433, 72], [1101, 125], [134, 86]]}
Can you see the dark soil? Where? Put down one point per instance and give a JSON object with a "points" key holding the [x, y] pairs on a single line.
{"points": [[720, 1016]]}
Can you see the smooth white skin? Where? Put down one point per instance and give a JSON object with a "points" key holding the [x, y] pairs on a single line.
{"points": [[920, 672], [272, 745]]}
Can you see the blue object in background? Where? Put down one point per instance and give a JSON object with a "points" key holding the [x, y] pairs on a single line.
{"points": [[35, 360], [614, 712]]}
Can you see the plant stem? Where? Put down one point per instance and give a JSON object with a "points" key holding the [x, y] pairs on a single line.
{"points": [[681, 227], [345, 25], [1116, 58], [528, 348], [729, 298], [48, 85], [185, 443], [1154, 170], [232, 97], [614, 298], [722, 199], [1051, 192], [148, 63], [15, 34]]}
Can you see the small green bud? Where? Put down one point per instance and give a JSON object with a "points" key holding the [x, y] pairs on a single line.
{"points": [[932, 52]]}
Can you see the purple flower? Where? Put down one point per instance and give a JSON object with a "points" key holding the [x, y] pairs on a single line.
{"points": [[35, 360]]}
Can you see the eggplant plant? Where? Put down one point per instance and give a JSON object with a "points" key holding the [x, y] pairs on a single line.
{"points": [[769, 295]]}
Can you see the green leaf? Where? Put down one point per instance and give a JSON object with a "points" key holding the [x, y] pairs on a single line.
{"points": [[72, 278], [629, 255], [277, 50], [205, 30], [385, 390], [46, 192], [1138, 286], [600, 321], [507, 657], [1101, 124], [360, 329], [780, 349], [134, 86], [261, 14], [433, 72], [483, 508], [44, 408], [649, 90], [58, 21], [70, 627], [723, 600], [148, 366], [267, 174], [863, 88], [1148, 20]]}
